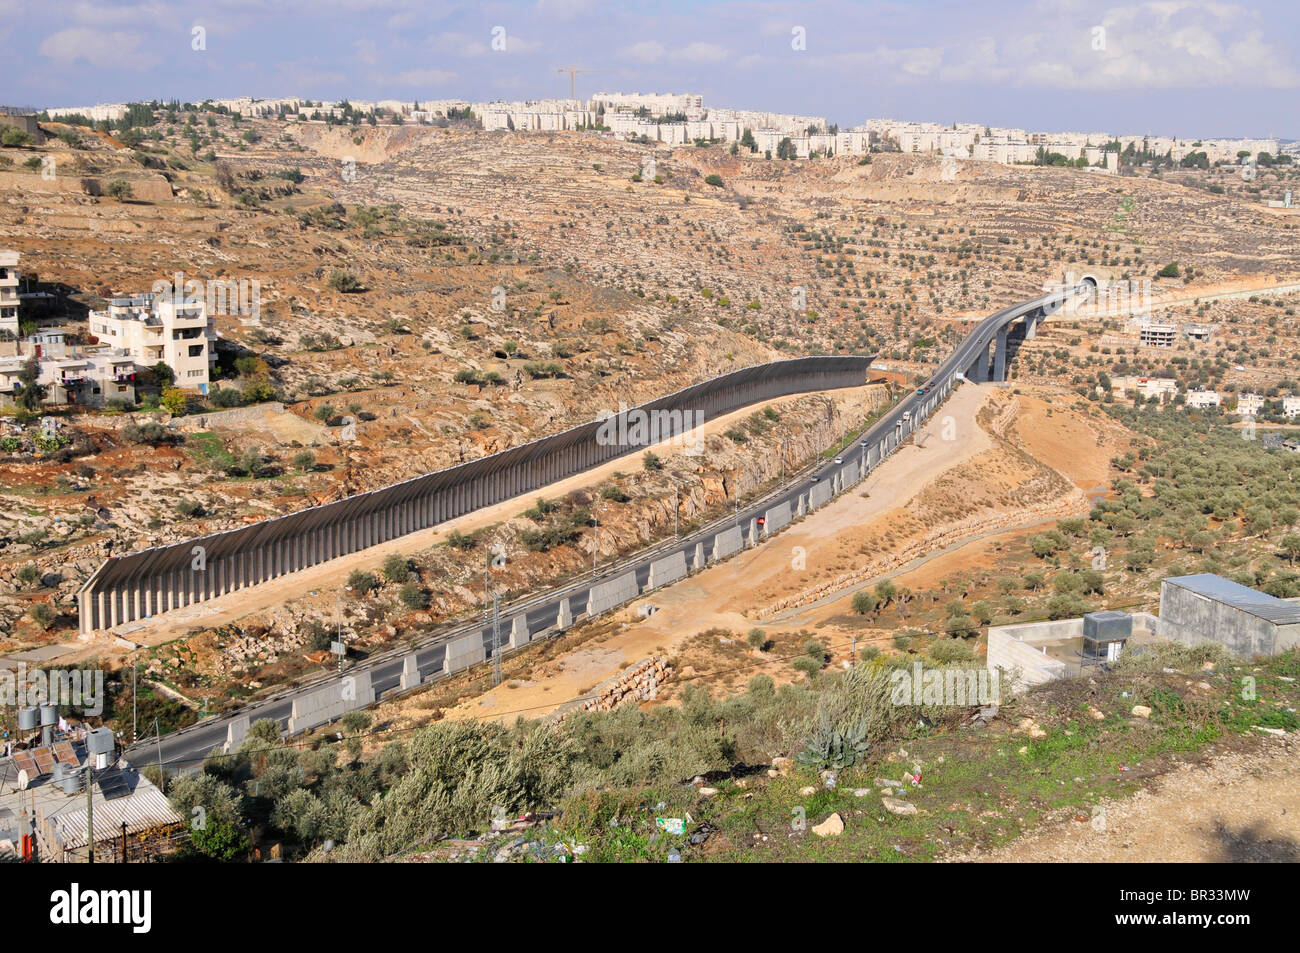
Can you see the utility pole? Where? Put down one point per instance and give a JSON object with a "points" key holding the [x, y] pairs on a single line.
{"points": [[595, 540], [133, 705], [496, 639], [90, 805], [339, 638]]}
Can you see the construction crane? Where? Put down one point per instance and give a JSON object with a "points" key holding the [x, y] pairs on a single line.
{"points": [[574, 71]]}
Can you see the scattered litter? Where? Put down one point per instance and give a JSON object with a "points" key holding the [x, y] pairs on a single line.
{"points": [[671, 825]]}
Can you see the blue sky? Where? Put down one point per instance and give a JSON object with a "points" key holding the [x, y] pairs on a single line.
{"points": [[1172, 67]]}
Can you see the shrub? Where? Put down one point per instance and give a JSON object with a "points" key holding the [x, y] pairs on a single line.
{"points": [[757, 640], [344, 281], [413, 595], [714, 180], [29, 576], [651, 461], [397, 568], [951, 650], [42, 614], [864, 602], [361, 582]]}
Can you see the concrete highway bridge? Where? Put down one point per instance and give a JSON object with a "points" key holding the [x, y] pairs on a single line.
{"points": [[982, 356]]}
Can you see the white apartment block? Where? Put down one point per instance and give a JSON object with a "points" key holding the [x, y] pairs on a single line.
{"points": [[655, 104], [1250, 404], [1203, 398], [1291, 406], [100, 113], [152, 328], [9, 294]]}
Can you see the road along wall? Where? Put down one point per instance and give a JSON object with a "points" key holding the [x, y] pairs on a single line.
{"points": [[145, 583]]}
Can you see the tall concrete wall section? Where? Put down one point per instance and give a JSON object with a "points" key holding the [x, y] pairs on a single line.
{"points": [[850, 474], [330, 702], [129, 587], [777, 518], [564, 617], [697, 560], [464, 652], [666, 570], [820, 494], [727, 543], [519, 631], [410, 673], [606, 595], [236, 732]]}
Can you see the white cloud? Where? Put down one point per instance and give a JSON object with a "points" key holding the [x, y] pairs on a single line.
{"points": [[1162, 44], [699, 52], [115, 48], [647, 51], [419, 77]]}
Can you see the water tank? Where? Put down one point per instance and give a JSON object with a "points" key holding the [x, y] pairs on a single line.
{"points": [[1105, 626], [28, 718], [49, 715], [70, 783], [100, 741]]}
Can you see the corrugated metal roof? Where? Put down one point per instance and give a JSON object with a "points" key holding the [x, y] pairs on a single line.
{"points": [[1256, 603], [144, 809]]}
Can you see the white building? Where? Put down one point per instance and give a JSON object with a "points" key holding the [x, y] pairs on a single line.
{"points": [[152, 328], [9, 294], [1291, 406], [1250, 404], [1203, 398]]}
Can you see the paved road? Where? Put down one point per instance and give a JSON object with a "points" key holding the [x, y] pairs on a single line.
{"points": [[186, 749]]}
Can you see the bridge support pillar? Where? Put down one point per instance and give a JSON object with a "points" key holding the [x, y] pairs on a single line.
{"points": [[1000, 357], [1031, 326], [979, 371]]}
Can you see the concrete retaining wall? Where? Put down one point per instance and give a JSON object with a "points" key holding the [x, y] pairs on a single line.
{"points": [[464, 652], [606, 595], [820, 494], [666, 570], [777, 518], [330, 702], [519, 631], [727, 543]]}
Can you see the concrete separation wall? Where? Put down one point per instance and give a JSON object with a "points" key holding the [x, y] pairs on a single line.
{"points": [[727, 543], [329, 702], [666, 570], [777, 518], [410, 673], [464, 652], [236, 732], [149, 582], [820, 494], [606, 595], [519, 631]]}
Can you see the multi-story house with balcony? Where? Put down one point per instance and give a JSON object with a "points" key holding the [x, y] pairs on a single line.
{"points": [[8, 295], [152, 328]]}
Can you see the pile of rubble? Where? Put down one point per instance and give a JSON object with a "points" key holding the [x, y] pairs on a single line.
{"points": [[637, 683]]}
